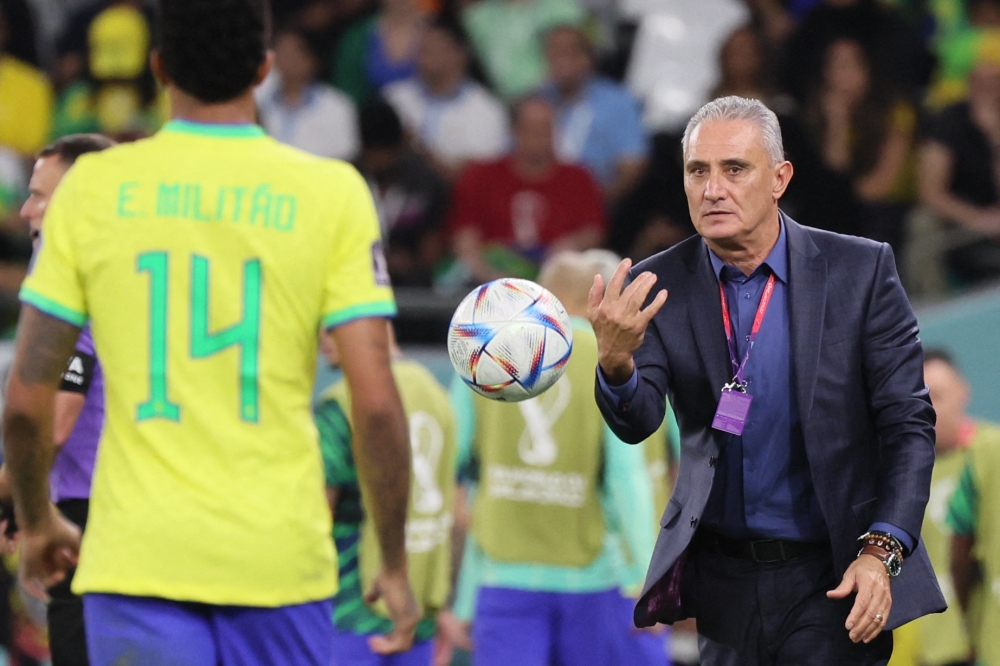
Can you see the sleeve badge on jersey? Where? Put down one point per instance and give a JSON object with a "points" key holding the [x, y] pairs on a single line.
{"points": [[379, 265]]}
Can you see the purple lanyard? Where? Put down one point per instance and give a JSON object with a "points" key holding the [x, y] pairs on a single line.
{"points": [[765, 300]]}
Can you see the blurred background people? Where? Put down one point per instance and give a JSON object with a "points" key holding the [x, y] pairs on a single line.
{"points": [[102, 72], [741, 66], [25, 100], [959, 171], [974, 519], [410, 197], [452, 119], [943, 639], [380, 49], [895, 48], [296, 108], [508, 34], [509, 214], [598, 121], [865, 133], [561, 515], [429, 517]]}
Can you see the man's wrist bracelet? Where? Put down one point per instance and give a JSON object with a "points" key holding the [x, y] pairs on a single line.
{"points": [[886, 548]]}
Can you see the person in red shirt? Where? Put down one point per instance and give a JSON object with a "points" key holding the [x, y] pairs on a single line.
{"points": [[508, 215]]}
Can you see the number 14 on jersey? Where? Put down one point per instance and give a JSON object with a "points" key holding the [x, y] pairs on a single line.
{"points": [[244, 334]]}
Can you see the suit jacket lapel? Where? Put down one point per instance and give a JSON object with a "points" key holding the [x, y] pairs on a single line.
{"points": [[806, 308], [706, 318]]}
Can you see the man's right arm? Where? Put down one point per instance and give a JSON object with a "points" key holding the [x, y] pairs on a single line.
{"points": [[630, 351], [382, 454]]}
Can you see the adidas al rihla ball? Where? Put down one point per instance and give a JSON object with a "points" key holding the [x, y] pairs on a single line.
{"points": [[510, 339]]}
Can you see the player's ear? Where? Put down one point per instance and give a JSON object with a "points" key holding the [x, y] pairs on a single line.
{"points": [[156, 65], [265, 68]]}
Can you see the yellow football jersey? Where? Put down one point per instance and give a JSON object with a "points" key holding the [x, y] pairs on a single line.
{"points": [[206, 259]]}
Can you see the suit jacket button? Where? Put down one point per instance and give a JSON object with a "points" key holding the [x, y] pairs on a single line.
{"points": [[625, 405], [694, 521], [712, 461]]}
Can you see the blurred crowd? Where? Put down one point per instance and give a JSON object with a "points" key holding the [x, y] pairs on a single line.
{"points": [[496, 132]]}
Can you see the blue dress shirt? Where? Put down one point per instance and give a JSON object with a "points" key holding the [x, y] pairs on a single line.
{"points": [[763, 486]]}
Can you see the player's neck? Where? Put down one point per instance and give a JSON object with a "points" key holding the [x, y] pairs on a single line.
{"points": [[238, 111]]}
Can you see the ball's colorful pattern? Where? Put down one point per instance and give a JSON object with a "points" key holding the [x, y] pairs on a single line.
{"points": [[510, 339]]}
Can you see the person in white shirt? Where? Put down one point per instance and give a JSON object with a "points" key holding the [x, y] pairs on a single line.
{"points": [[297, 109], [451, 118]]}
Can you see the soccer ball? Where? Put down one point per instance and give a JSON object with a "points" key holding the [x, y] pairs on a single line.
{"points": [[510, 340]]}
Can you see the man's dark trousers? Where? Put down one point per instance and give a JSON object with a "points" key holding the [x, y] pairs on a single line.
{"points": [[67, 640], [776, 611]]}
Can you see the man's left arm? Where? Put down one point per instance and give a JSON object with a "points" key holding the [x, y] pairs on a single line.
{"points": [[904, 419], [900, 404]]}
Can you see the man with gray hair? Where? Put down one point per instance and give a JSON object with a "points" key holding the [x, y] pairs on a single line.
{"points": [[791, 359]]}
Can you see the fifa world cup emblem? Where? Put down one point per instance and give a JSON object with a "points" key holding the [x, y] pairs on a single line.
{"points": [[537, 446], [426, 442]]}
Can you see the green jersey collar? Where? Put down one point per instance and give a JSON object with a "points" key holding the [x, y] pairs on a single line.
{"points": [[218, 130]]}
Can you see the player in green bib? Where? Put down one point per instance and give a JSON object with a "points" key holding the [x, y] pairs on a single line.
{"points": [[941, 639], [973, 515], [561, 511], [429, 519]]}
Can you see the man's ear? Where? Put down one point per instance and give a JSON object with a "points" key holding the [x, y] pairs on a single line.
{"points": [[156, 65], [782, 177], [265, 68]]}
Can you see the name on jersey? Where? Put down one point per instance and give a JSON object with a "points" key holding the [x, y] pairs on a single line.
{"points": [[259, 206]]}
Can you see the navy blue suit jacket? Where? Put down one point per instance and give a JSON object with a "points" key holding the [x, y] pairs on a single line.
{"points": [[866, 415]]}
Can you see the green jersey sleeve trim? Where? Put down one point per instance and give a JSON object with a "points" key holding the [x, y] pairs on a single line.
{"points": [[964, 505], [218, 130], [363, 311], [51, 308]]}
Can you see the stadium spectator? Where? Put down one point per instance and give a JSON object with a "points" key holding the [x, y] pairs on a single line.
{"points": [[895, 49], [598, 120], [507, 215], [772, 22], [429, 518], [297, 109], [411, 199], [379, 49], [962, 29], [451, 118], [562, 513], [864, 133], [974, 519], [507, 36], [959, 167], [942, 639], [741, 66], [103, 73], [25, 101]]}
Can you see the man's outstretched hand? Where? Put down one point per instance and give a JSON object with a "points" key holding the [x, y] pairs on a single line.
{"points": [[619, 320], [867, 577]]}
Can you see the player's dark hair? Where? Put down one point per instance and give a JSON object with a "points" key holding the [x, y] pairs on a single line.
{"points": [[939, 354], [213, 49], [70, 147], [380, 126]]}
